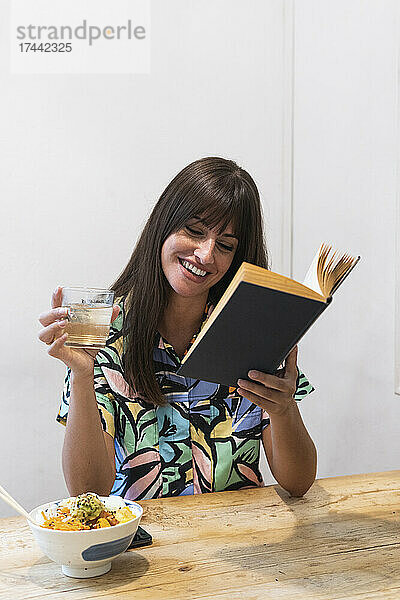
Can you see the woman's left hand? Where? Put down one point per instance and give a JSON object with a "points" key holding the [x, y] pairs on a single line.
{"points": [[274, 394]]}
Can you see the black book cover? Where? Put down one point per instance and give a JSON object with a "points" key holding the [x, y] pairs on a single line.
{"points": [[256, 329]]}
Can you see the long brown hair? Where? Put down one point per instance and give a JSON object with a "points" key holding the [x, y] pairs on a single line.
{"points": [[221, 193]]}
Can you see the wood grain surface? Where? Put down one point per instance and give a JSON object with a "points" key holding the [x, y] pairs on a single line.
{"points": [[342, 540]]}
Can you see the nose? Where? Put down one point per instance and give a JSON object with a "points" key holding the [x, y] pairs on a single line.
{"points": [[205, 251]]}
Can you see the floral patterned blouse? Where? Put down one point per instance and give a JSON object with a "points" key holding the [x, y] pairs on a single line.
{"points": [[205, 439]]}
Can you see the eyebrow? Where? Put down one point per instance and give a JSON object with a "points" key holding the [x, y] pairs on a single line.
{"points": [[230, 235]]}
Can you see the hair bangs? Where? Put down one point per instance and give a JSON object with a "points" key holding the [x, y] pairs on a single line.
{"points": [[217, 210]]}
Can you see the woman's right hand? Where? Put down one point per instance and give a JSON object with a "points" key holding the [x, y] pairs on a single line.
{"points": [[79, 360]]}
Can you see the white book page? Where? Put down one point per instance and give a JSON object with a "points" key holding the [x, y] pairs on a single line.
{"points": [[311, 278]]}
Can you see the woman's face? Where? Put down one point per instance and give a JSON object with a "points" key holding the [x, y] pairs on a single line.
{"points": [[195, 258]]}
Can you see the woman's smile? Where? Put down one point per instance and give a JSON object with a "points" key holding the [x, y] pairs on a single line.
{"points": [[193, 269]]}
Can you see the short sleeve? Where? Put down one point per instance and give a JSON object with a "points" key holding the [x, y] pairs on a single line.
{"points": [[104, 397], [303, 389], [108, 356], [303, 386]]}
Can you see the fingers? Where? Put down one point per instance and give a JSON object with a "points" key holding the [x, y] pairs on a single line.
{"points": [[51, 332], [270, 381], [56, 297], [291, 361], [57, 347], [290, 375], [49, 317], [258, 390], [77, 359]]}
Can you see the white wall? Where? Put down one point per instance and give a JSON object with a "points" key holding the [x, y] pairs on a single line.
{"points": [[84, 158], [345, 150]]}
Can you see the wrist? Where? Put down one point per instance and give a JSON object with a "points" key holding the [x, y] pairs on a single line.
{"points": [[289, 413], [83, 377]]}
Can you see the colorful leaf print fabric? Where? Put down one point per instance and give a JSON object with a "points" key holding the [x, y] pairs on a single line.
{"points": [[205, 439]]}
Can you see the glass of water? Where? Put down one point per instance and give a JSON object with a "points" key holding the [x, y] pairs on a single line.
{"points": [[89, 316]]}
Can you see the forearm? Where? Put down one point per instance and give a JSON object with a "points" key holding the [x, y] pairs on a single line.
{"points": [[293, 459], [85, 460]]}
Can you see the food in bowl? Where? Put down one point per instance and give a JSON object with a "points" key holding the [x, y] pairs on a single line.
{"points": [[85, 552], [85, 511]]}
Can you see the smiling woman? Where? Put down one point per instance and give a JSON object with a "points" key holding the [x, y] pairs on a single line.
{"points": [[134, 425]]}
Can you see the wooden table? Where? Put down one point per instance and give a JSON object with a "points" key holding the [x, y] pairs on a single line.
{"points": [[342, 540]]}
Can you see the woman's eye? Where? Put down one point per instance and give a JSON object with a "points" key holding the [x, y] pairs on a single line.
{"points": [[193, 230], [225, 247]]}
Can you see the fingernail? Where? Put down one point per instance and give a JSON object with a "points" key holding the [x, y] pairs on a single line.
{"points": [[62, 323], [252, 373], [240, 382]]}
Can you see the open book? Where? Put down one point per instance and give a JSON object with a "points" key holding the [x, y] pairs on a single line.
{"points": [[261, 317]]}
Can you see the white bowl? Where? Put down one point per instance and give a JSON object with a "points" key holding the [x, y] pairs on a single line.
{"points": [[86, 553]]}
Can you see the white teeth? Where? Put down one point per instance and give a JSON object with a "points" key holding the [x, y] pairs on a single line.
{"points": [[194, 269]]}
